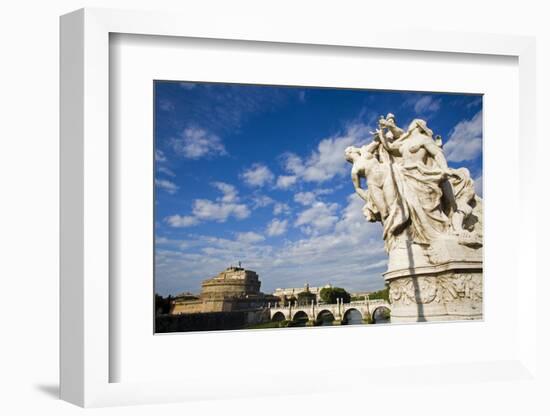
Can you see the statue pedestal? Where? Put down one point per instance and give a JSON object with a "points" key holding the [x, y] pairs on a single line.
{"points": [[439, 282]]}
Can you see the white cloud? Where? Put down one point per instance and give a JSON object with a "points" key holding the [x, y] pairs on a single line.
{"points": [[195, 143], [276, 227], [293, 163], [159, 156], [327, 161], [166, 171], [352, 217], [166, 185], [465, 140], [179, 221], [166, 105], [317, 218], [285, 181], [305, 198], [162, 240], [423, 104], [309, 197], [261, 201], [325, 191], [475, 102], [228, 205], [250, 237], [426, 104], [161, 161], [258, 175], [280, 208], [207, 210], [229, 191]]}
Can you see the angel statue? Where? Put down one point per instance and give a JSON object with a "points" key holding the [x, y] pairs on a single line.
{"points": [[409, 186]]}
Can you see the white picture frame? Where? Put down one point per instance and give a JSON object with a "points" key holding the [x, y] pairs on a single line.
{"points": [[85, 200]]}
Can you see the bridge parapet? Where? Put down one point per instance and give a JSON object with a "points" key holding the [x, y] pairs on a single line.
{"points": [[338, 310]]}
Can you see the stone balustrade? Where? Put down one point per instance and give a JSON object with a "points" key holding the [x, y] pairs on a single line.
{"points": [[338, 310]]}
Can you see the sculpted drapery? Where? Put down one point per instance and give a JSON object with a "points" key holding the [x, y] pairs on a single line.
{"points": [[410, 188]]}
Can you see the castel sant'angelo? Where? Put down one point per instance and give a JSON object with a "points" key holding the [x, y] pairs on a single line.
{"points": [[234, 289]]}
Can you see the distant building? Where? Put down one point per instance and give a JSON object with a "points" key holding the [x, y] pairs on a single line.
{"points": [[359, 294], [292, 292], [234, 289]]}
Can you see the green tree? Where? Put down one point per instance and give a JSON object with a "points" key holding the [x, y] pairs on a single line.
{"points": [[162, 305], [381, 294], [330, 294]]}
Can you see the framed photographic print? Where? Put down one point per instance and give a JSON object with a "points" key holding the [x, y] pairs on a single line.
{"points": [[244, 203]]}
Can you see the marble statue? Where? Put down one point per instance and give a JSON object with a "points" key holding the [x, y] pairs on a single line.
{"points": [[430, 213]]}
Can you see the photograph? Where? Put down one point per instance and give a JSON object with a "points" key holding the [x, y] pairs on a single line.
{"points": [[294, 206]]}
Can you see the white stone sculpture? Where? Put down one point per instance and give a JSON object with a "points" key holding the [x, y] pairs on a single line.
{"points": [[431, 217]]}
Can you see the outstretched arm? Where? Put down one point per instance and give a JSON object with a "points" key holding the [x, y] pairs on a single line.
{"points": [[370, 148]]}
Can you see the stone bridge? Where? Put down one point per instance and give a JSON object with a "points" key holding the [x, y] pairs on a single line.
{"points": [[338, 313]]}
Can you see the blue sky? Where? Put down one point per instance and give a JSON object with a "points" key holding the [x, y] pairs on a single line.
{"points": [[257, 174]]}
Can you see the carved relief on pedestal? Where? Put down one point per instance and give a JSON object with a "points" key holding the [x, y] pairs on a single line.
{"points": [[422, 289], [444, 288], [454, 287]]}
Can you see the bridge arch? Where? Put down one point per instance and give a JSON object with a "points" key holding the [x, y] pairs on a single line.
{"points": [[324, 318], [381, 314], [278, 317], [352, 317], [300, 318]]}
